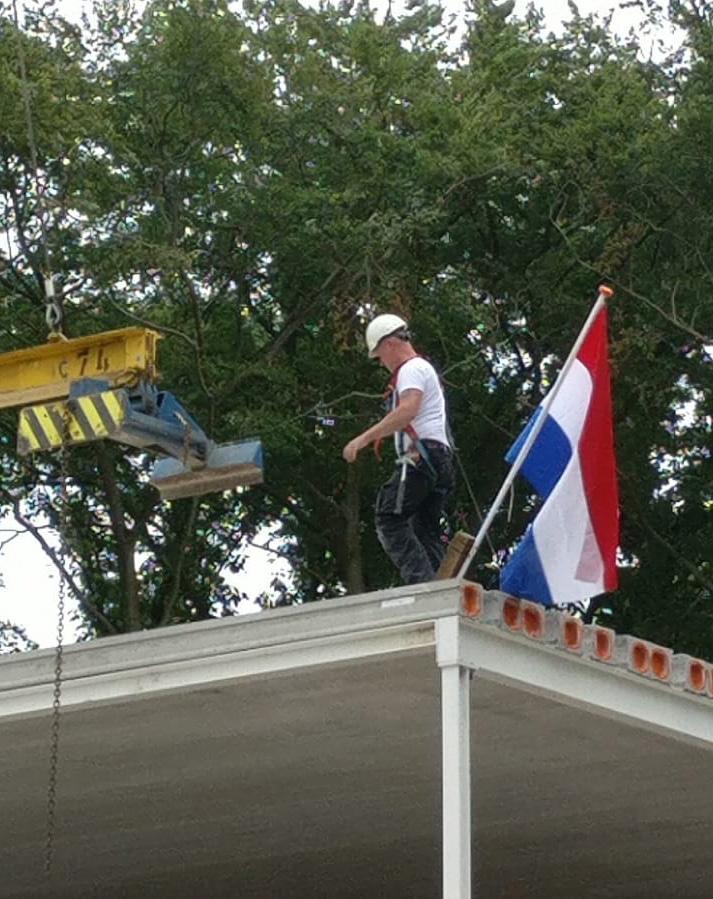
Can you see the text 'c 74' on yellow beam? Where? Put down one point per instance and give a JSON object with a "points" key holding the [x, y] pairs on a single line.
{"points": [[37, 374]]}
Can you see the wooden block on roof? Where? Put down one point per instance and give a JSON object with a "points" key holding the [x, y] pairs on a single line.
{"points": [[456, 554]]}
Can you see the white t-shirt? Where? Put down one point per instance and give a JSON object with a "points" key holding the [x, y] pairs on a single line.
{"points": [[430, 422]]}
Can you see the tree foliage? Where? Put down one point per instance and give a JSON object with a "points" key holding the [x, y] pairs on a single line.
{"points": [[13, 638], [255, 182]]}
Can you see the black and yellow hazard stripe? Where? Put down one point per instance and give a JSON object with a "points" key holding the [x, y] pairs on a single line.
{"points": [[52, 425]]}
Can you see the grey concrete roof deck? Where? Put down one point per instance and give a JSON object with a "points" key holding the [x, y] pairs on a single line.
{"points": [[297, 754]]}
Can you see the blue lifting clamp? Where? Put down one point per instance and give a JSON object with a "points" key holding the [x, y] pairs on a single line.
{"points": [[148, 419]]}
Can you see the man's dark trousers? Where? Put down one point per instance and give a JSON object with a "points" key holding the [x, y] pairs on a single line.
{"points": [[408, 520]]}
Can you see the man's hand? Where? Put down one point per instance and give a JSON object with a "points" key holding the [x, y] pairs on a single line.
{"points": [[396, 420], [352, 448]]}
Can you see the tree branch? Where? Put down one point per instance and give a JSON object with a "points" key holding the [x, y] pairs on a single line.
{"points": [[285, 555], [149, 324], [125, 539], [200, 346], [672, 319], [301, 314], [177, 568], [90, 609]]}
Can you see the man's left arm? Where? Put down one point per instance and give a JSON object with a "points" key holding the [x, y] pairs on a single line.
{"points": [[396, 420]]}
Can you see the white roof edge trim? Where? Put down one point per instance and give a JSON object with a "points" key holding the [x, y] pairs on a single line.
{"points": [[540, 669], [134, 683], [198, 640]]}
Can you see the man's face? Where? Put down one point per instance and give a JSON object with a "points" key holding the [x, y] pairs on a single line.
{"points": [[385, 352]]}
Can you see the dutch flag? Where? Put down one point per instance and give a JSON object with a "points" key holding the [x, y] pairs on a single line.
{"points": [[568, 554]]}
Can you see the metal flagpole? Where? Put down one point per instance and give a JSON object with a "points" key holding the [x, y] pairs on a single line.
{"points": [[605, 293]]}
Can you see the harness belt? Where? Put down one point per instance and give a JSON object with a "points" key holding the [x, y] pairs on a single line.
{"points": [[416, 449]]}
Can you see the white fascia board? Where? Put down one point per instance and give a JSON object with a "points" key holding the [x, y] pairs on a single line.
{"points": [[200, 640], [190, 655], [557, 674], [138, 681]]}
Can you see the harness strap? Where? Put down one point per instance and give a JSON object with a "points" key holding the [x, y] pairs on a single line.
{"points": [[409, 430], [388, 399], [404, 462]]}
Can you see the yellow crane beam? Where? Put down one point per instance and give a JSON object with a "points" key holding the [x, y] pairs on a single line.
{"points": [[50, 426], [43, 373]]}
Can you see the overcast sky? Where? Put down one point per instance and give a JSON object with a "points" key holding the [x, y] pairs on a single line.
{"points": [[29, 596]]}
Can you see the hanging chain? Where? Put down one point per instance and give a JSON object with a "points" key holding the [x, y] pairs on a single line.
{"points": [[54, 321], [54, 737], [59, 657]]}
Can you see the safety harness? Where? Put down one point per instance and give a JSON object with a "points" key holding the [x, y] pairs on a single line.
{"points": [[404, 458]]}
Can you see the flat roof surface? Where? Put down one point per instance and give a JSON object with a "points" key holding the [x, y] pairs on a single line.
{"points": [[298, 754]]}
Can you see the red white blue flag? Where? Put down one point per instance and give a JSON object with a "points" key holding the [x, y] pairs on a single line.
{"points": [[568, 554]]}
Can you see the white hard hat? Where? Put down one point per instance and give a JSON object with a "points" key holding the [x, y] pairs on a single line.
{"points": [[380, 327]]}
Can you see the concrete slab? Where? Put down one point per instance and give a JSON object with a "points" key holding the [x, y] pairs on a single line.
{"points": [[323, 779]]}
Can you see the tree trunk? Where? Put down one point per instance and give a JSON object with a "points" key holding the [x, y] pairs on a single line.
{"points": [[125, 542], [182, 544]]}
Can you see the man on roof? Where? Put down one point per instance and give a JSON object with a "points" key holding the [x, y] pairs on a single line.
{"points": [[410, 505]]}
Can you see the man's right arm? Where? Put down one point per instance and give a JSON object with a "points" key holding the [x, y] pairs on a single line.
{"points": [[396, 420]]}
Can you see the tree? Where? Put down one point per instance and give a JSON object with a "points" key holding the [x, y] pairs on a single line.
{"points": [[14, 638], [255, 184]]}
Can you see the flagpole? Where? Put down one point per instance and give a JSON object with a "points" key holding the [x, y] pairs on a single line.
{"points": [[605, 293]]}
